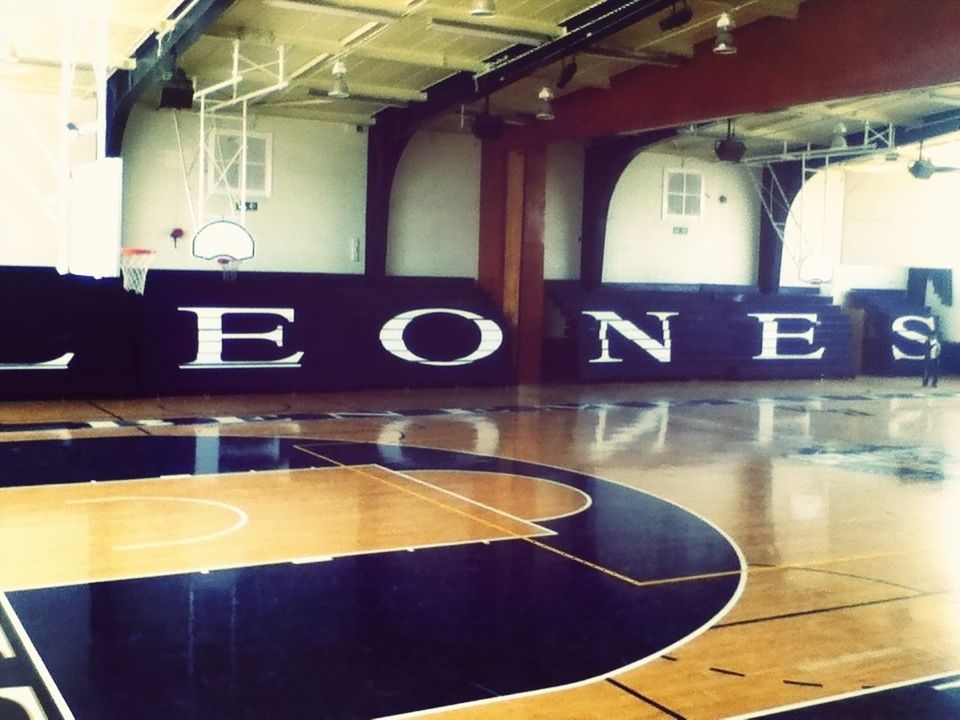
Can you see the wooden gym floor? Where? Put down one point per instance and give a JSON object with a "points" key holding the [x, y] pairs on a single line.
{"points": [[689, 550]]}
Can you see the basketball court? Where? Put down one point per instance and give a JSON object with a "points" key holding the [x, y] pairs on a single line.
{"points": [[689, 551], [470, 359]]}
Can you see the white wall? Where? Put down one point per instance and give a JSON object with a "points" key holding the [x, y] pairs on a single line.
{"points": [[814, 236], [719, 248], [435, 207], [892, 218], [35, 157], [307, 224], [564, 212]]}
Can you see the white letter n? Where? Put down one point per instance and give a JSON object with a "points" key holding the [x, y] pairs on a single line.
{"points": [[658, 351]]}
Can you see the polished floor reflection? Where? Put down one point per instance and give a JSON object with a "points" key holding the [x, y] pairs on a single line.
{"points": [[687, 551]]}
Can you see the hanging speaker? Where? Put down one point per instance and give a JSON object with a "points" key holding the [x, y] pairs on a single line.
{"points": [[487, 127], [176, 92]]}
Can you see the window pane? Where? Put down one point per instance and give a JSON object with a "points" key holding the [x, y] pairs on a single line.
{"points": [[232, 176], [675, 182], [675, 204], [692, 206], [256, 177], [693, 183], [229, 147], [256, 149]]}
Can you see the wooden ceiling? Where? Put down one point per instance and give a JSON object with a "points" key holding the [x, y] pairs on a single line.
{"points": [[395, 50], [281, 54]]}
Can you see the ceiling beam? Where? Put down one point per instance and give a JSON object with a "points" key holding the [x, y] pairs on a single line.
{"points": [[442, 61], [580, 32], [117, 62], [320, 115], [340, 8], [153, 57], [386, 93], [504, 24], [320, 98], [779, 64], [635, 57]]}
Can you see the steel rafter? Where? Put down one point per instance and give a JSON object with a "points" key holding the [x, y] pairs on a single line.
{"points": [[156, 55], [519, 61]]}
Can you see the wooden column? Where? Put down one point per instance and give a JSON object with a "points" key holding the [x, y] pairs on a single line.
{"points": [[510, 263]]}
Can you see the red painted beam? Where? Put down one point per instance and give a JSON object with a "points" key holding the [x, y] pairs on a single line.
{"points": [[835, 49]]}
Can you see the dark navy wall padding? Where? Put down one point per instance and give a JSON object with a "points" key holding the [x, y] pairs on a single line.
{"points": [[124, 344], [713, 334], [881, 310]]}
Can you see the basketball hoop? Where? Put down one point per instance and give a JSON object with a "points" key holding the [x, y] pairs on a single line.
{"points": [[229, 266], [134, 264], [816, 269]]}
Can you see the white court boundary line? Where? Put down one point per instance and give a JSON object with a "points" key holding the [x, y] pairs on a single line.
{"points": [[242, 520], [305, 441], [38, 665], [191, 477], [583, 508], [300, 560], [734, 599], [844, 696], [471, 501]]}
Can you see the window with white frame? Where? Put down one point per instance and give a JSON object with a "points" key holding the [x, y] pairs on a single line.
{"points": [[682, 194], [224, 173]]}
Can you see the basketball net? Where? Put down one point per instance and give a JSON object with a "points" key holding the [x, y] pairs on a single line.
{"points": [[134, 264], [229, 266]]}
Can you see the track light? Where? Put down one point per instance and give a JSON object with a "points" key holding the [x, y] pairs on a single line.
{"points": [[483, 8], [339, 89], [545, 100], [839, 139], [680, 15], [922, 169], [724, 42]]}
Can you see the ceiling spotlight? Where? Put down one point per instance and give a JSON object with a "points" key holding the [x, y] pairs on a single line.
{"points": [[545, 100], [839, 139], [724, 42], [483, 8], [922, 169], [680, 15], [339, 89], [566, 73]]}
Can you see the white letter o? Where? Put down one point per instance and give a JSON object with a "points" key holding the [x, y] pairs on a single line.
{"points": [[391, 337]]}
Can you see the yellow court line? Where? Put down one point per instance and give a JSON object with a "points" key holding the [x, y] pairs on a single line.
{"points": [[599, 568]]}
